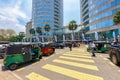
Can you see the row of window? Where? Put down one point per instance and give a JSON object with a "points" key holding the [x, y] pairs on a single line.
{"points": [[43, 20], [97, 4], [47, 12], [84, 7], [43, 8], [103, 15], [46, 17], [84, 2], [41, 2], [43, 24], [100, 9], [103, 24], [91, 1]]}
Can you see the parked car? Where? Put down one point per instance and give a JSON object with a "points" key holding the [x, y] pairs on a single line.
{"points": [[59, 44], [114, 53], [76, 43], [47, 48]]}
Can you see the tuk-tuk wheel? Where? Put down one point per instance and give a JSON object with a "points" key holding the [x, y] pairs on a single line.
{"points": [[1, 57], [114, 59], [13, 66], [40, 57]]}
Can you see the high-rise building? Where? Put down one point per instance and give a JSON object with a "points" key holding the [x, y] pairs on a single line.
{"points": [[97, 16], [28, 27], [47, 12]]}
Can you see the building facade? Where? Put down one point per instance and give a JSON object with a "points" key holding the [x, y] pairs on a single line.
{"points": [[97, 16], [47, 12], [28, 27]]}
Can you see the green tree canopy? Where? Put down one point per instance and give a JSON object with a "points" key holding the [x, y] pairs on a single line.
{"points": [[116, 17], [39, 30], [15, 39], [47, 27], [21, 34], [72, 25], [32, 31]]}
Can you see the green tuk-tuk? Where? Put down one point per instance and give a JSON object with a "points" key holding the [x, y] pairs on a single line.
{"points": [[101, 46], [21, 53]]}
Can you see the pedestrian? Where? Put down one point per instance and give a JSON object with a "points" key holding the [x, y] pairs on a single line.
{"points": [[70, 46], [93, 46]]}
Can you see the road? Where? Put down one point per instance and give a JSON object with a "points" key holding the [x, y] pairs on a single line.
{"points": [[67, 65]]}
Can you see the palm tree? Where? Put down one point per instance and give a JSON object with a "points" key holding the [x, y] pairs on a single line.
{"points": [[21, 35], [72, 26], [38, 30], [116, 18], [47, 27], [32, 31]]}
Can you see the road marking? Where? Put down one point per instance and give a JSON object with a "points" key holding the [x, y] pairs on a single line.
{"points": [[111, 64], [45, 58], [86, 66], [77, 59], [85, 54], [35, 76], [101, 55], [67, 52], [35, 63], [20, 69], [105, 59], [118, 70], [18, 77], [71, 73], [74, 55]]}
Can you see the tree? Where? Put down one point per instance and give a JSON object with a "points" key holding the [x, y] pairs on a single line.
{"points": [[3, 32], [38, 30], [47, 27], [10, 33], [72, 26], [21, 35], [32, 31], [14, 39], [116, 18]]}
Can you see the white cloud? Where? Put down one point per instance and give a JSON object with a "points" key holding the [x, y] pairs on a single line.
{"points": [[71, 11], [9, 17]]}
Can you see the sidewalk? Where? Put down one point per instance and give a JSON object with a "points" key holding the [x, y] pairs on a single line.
{"points": [[6, 74]]}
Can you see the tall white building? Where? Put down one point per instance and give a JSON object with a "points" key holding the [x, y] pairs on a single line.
{"points": [[28, 27]]}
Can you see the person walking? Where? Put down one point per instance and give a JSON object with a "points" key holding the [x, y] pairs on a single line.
{"points": [[93, 46], [70, 46]]}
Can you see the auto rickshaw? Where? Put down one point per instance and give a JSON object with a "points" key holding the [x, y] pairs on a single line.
{"points": [[21, 53], [47, 48], [101, 46]]}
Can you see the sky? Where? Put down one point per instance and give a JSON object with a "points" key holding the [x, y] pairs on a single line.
{"points": [[15, 13]]}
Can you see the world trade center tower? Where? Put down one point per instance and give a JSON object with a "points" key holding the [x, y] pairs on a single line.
{"points": [[47, 12]]}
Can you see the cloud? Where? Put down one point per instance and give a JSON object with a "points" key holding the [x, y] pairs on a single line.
{"points": [[71, 11], [15, 13], [10, 15]]}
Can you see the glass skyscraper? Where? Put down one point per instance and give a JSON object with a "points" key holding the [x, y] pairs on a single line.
{"points": [[97, 16], [47, 12]]}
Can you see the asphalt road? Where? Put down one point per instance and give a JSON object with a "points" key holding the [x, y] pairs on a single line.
{"points": [[69, 65]]}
